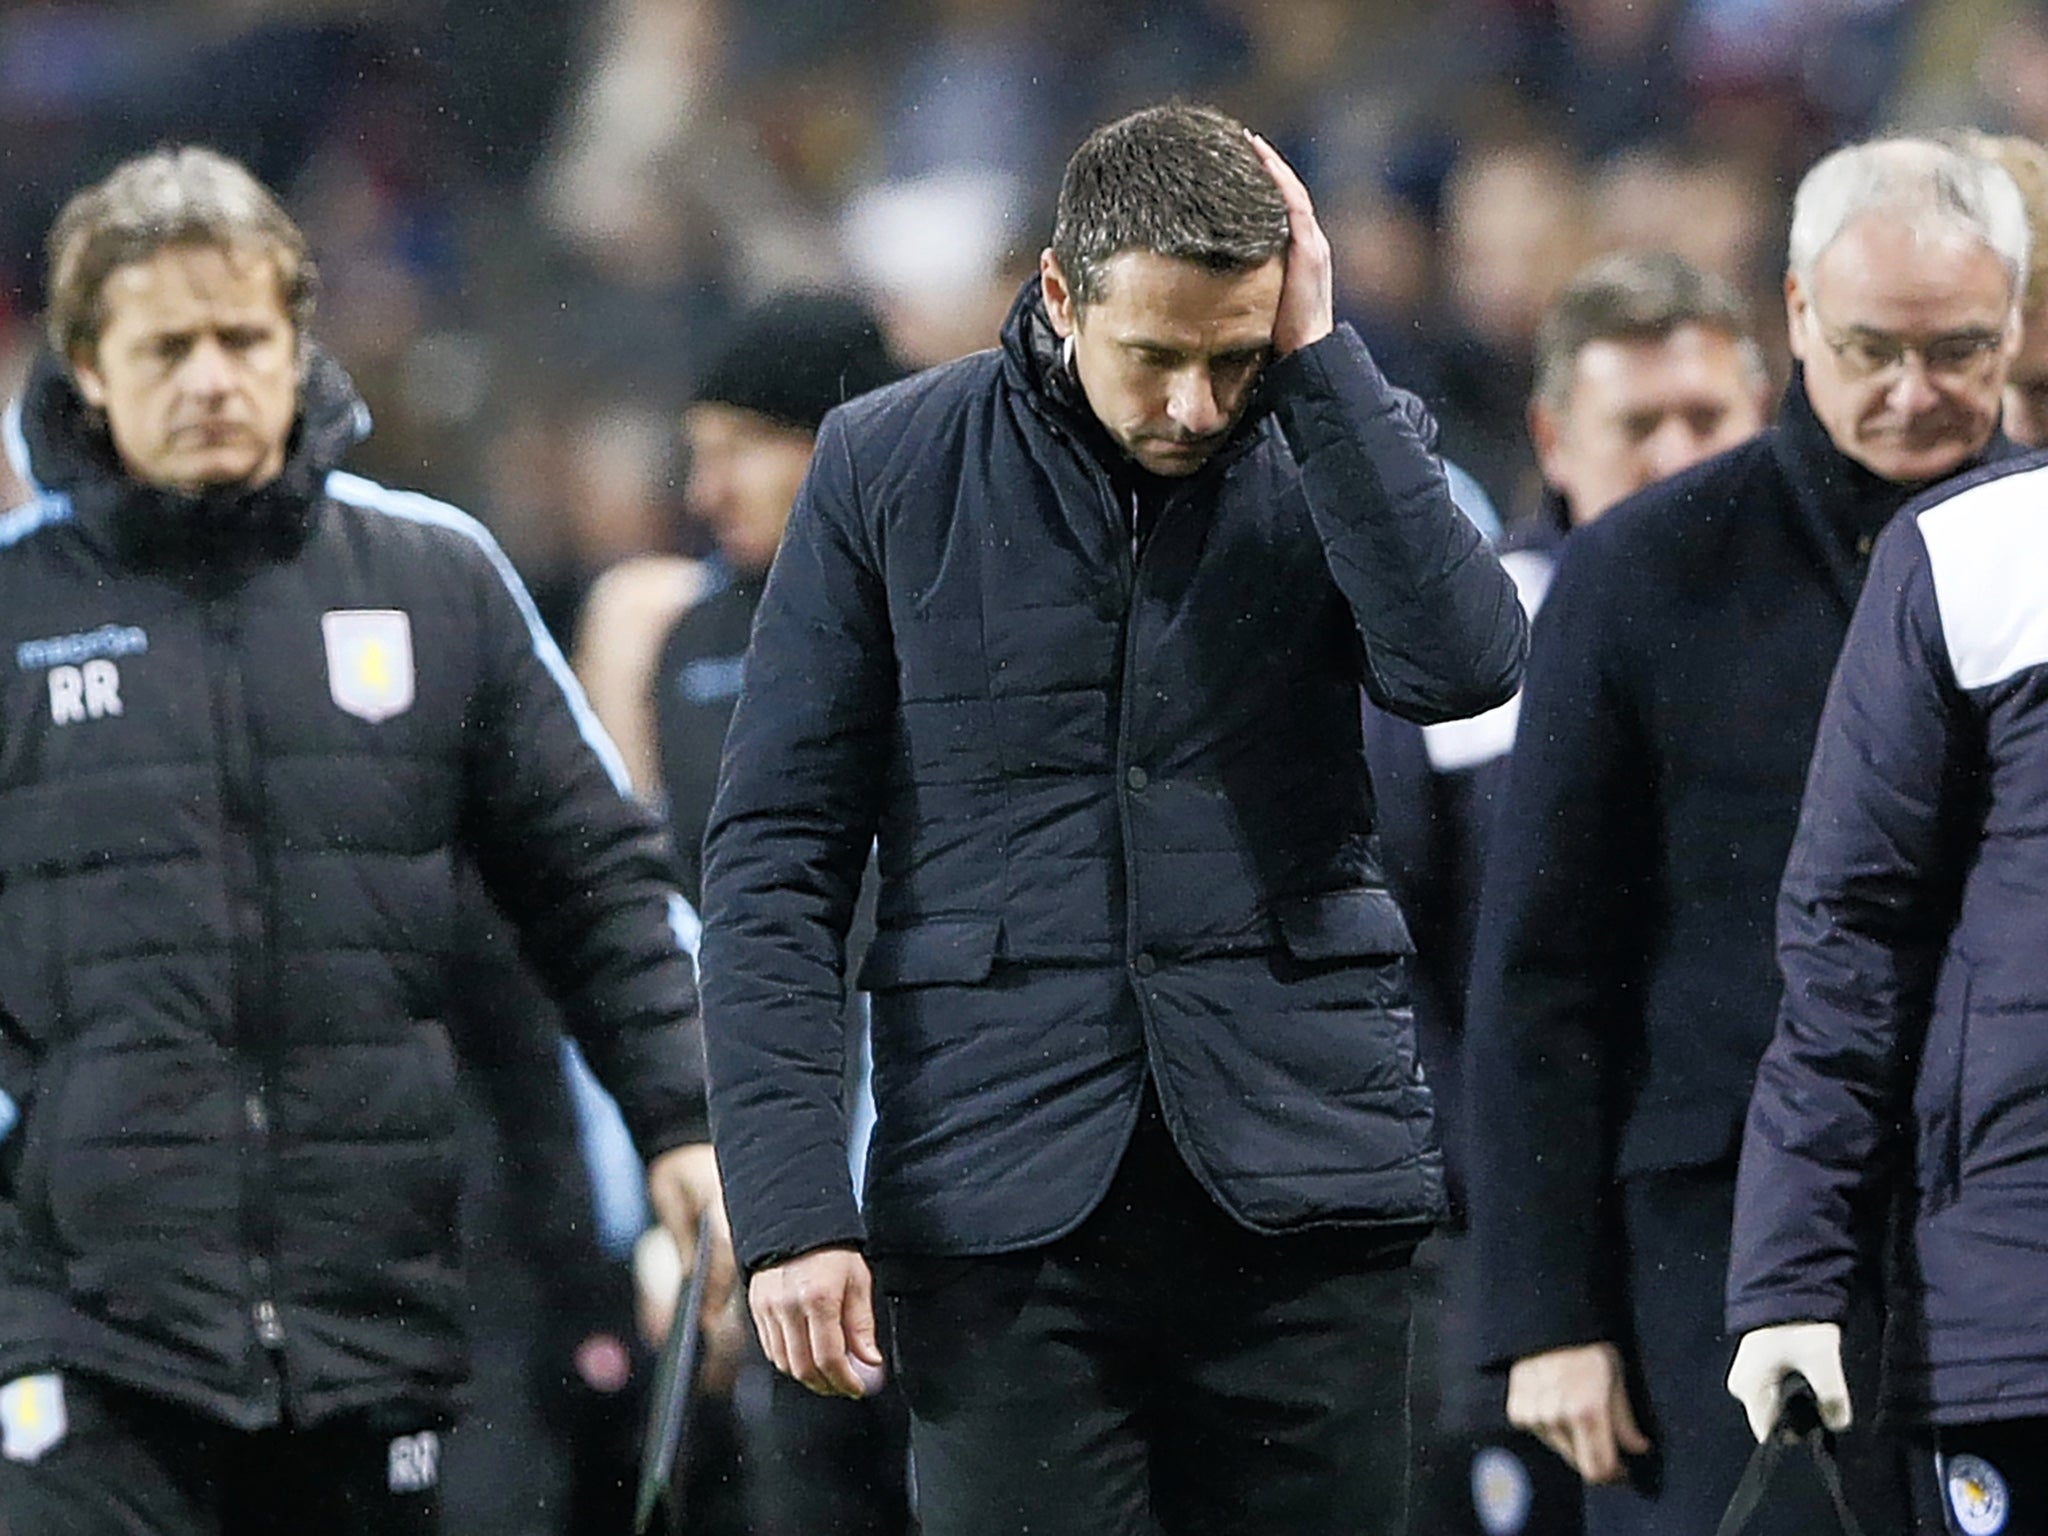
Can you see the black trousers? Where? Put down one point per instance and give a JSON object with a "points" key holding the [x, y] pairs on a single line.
{"points": [[821, 1466], [1159, 1370], [1993, 1478], [1678, 1226], [133, 1465]]}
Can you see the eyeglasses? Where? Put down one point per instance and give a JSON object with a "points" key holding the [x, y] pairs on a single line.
{"points": [[1873, 354]]}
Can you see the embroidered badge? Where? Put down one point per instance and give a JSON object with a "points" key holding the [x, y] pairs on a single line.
{"points": [[369, 661], [415, 1462], [1502, 1491], [1978, 1495], [32, 1417]]}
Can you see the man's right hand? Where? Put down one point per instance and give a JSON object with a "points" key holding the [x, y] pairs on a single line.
{"points": [[1575, 1400], [815, 1314]]}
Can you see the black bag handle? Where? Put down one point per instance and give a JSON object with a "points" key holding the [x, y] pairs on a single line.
{"points": [[1798, 1424]]}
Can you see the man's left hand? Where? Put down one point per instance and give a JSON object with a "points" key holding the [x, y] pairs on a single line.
{"points": [[683, 1187], [1308, 304]]}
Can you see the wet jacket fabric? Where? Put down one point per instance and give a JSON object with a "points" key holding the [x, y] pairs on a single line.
{"points": [[1911, 1053], [1624, 981], [243, 742], [1107, 734]]}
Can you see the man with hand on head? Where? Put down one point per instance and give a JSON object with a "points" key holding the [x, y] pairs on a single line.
{"points": [[1624, 985], [260, 711], [1075, 629]]}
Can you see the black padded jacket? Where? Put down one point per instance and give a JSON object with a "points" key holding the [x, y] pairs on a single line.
{"points": [[243, 744], [1124, 821]]}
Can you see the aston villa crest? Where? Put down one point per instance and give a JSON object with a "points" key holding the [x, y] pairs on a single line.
{"points": [[369, 661]]}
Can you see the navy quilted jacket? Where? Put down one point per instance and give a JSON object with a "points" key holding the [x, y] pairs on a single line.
{"points": [[1123, 816]]}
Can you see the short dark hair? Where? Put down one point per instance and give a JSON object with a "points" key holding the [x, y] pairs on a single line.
{"points": [[168, 197], [1176, 180], [1635, 296]]}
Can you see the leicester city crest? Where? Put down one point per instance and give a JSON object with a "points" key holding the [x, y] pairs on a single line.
{"points": [[1978, 1495], [369, 661], [1502, 1491]]}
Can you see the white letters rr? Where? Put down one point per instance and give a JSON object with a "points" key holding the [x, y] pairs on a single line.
{"points": [[90, 692]]}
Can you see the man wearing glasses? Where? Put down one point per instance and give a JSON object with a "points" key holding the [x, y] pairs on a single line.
{"points": [[1624, 986]]}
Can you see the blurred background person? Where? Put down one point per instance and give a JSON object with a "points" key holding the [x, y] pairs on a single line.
{"points": [[1513, 232], [2026, 383], [663, 642], [1644, 365], [661, 638]]}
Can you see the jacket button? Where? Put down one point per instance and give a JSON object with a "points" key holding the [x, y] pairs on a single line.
{"points": [[1144, 965], [1137, 778]]}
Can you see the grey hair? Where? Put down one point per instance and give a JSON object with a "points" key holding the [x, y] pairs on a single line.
{"points": [[1934, 186]]}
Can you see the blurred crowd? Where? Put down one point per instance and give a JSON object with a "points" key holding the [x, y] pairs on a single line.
{"points": [[536, 219]]}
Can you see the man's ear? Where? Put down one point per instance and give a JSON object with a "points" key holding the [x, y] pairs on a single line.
{"points": [[87, 378], [1797, 302], [1546, 433], [1059, 297]]}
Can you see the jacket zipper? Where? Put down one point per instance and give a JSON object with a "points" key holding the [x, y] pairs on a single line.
{"points": [[251, 961]]}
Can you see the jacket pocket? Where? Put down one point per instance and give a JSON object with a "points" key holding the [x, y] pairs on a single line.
{"points": [[1344, 925], [941, 951]]}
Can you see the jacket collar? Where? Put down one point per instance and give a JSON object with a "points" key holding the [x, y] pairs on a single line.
{"points": [[67, 450], [1035, 360], [1843, 504]]}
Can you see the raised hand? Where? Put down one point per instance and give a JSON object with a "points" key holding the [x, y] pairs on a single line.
{"points": [[1308, 305]]}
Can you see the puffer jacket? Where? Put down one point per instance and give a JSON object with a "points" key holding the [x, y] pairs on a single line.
{"points": [[243, 743], [1124, 821], [1908, 1077]]}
